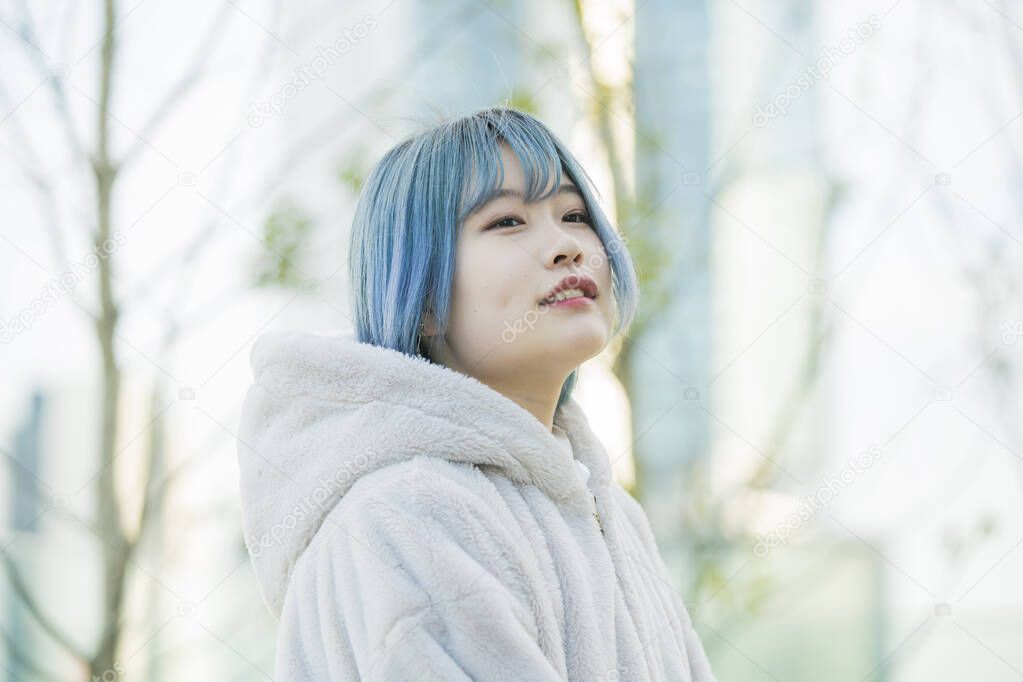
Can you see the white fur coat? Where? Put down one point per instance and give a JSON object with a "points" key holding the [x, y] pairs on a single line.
{"points": [[408, 522]]}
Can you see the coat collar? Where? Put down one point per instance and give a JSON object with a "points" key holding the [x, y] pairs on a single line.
{"points": [[455, 416], [327, 409]]}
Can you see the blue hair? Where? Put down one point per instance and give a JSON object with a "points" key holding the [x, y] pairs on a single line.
{"points": [[416, 199]]}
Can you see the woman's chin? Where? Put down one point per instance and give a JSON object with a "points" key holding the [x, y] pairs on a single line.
{"points": [[581, 337]]}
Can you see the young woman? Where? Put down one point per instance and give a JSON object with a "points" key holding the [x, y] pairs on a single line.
{"points": [[424, 500]]}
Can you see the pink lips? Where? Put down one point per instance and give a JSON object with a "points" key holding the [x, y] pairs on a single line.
{"points": [[579, 281], [575, 302]]}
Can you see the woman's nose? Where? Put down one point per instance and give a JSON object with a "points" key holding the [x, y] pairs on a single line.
{"points": [[565, 246], [577, 258]]}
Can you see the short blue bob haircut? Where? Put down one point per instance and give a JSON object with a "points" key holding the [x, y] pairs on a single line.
{"points": [[415, 201]]}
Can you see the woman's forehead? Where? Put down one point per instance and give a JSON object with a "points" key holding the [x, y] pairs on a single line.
{"points": [[503, 175]]}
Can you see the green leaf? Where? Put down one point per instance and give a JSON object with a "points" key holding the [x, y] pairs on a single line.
{"points": [[285, 232]]}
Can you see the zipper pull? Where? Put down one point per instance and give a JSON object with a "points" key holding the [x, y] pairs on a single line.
{"points": [[597, 515], [584, 475]]}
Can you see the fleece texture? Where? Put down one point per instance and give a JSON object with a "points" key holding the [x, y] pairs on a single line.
{"points": [[408, 522]]}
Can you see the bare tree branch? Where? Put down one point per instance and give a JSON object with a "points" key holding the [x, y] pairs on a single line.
{"points": [[391, 86], [28, 162], [178, 93], [27, 31]]}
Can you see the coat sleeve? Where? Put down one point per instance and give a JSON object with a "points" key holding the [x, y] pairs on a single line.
{"points": [[387, 590]]}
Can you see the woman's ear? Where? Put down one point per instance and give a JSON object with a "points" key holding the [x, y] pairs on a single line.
{"points": [[427, 331], [428, 326]]}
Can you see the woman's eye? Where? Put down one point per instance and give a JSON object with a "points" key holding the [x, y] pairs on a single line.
{"points": [[502, 222], [582, 218]]}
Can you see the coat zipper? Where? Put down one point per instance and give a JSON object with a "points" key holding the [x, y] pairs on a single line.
{"points": [[596, 515]]}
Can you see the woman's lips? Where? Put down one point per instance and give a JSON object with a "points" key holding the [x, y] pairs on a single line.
{"points": [[575, 302]]}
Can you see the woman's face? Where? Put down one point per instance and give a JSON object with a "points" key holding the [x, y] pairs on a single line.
{"points": [[510, 256]]}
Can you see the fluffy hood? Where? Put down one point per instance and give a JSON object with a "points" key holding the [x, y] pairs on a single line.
{"points": [[326, 410]]}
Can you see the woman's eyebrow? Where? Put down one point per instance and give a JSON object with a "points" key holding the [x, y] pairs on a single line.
{"points": [[516, 194]]}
